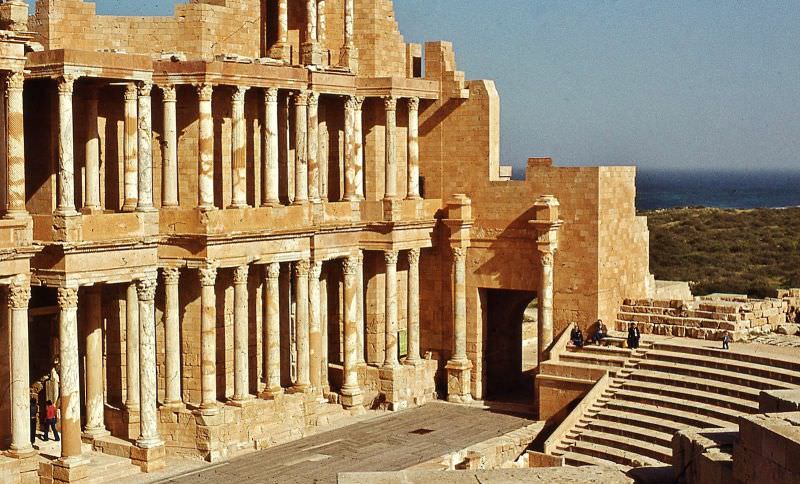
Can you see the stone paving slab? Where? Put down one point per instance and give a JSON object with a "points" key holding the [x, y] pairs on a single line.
{"points": [[550, 475], [386, 443]]}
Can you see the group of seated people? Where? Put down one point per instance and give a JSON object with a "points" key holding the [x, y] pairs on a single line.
{"points": [[600, 332]]}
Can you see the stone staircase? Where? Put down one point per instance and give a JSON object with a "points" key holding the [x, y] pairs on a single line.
{"points": [[664, 386]]}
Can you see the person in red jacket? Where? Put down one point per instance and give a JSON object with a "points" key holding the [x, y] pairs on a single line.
{"points": [[50, 423]]}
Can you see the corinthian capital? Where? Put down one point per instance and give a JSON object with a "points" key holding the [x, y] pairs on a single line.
{"points": [[144, 88], [350, 266], [171, 275], [204, 91], [238, 93], [546, 258], [273, 270], [390, 103], [301, 268], [240, 274], [208, 274], [313, 98], [413, 104], [131, 93], [391, 257], [146, 287], [271, 95], [413, 256], [459, 254], [301, 98], [67, 297], [15, 81], [170, 93], [66, 84], [19, 294]]}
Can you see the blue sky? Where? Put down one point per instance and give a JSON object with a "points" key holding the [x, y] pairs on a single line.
{"points": [[661, 84]]}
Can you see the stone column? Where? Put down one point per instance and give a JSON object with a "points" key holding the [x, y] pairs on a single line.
{"points": [[301, 270], [312, 54], [270, 146], [413, 149], [66, 156], [459, 366], [172, 336], [315, 326], [272, 330], [70, 395], [351, 391], [19, 295], [169, 194], [301, 148], [239, 149], [359, 288], [241, 365], [545, 306], [145, 131], [322, 24], [16, 146], [95, 425], [312, 146], [131, 163], [390, 357], [208, 339], [205, 147], [148, 381], [350, 149], [390, 190], [413, 357], [280, 50], [132, 348], [92, 152], [348, 55], [358, 134]]}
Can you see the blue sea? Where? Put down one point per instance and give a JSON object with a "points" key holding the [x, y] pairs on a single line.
{"points": [[721, 189]]}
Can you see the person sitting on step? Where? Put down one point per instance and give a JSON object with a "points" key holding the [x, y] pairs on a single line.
{"points": [[576, 336], [600, 332]]}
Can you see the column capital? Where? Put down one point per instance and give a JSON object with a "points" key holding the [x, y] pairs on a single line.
{"points": [[66, 84], [301, 98], [208, 274], [239, 92], [459, 253], [240, 274], [15, 81], [313, 99], [271, 95], [146, 286], [204, 91], [170, 93], [131, 93], [413, 256], [546, 256], [391, 256], [390, 103], [19, 294], [301, 268], [315, 270], [273, 270], [413, 104], [67, 297], [350, 265], [144, 88], [171, 275]]}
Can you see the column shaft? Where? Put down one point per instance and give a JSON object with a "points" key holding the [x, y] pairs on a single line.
{"points": [[322, 24], [95, 406], [351, 391], [359, 289], [301, 269], [390, 190], [172, 336], [239, 150], [413, 307], [205, 148], [348, 55], [301, 149], [131, 163], [273, 329], [19, 295], [313, 145], [92, 153], [208, 339], [390, 357], [169, 195], [413, 149], [16, 145], [132, 348], [66, 156], [70, 395], [280, 50], [145, 144], [545, 308], [358, 134], [148, 381], [311, 22], [350, 149], [315, 327], [241, 365], [460, 308], [270, 183]]}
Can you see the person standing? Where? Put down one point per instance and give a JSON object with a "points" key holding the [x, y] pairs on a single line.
{"points": [[34, 414], [52, 418], [726, 339]]}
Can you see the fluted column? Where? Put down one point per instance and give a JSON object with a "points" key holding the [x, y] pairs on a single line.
{"points": [[16, 145], [390, 356], [131, 147], [313, 145], [172, 336], [148, 381], [390, 190], [350, 149], [70, 394], [301, 148], [241, 365], [272, 330], [19, 295], [301, 270], [66, 155], [239, 148], [208, 339], [351, 391], [145, 132], [95, 425], [92, 153], [132, 348], [545, 306], [315, 326], [460, 307], [205, 147], [169, 194], [413, 149], [359, 288], [413, 357], [270, 182], [358, 134]]}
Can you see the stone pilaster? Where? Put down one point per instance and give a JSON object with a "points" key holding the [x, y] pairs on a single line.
{"points": [[390, 356], [148, 382], [239, 149], [208, 340], [70, 395], [92, 154], [205, 147], [315, 326], [348, 55], [145, 144], [131, 147], [270, 145], [66, 155], [313, 147], [16, 146], [351, 391], [172, 336], [459, 366], [390, 188], [281, 49], [132, 349], [272, 330], [169, 145], [301, 148], [95, 405], [413, 149], [19, 295], [413, 357], [241, 342], [301, 272]]}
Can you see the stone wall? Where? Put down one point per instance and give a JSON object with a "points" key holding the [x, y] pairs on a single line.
{"points": [[768, 448]]}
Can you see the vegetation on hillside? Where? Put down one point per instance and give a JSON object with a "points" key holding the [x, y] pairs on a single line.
{"points": [[750, 252]]}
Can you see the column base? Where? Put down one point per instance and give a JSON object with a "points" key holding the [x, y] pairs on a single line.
{"points": [[352, 397], [148, 208], [413, 197], [413, 362], [459, 381], [16, 214], [70, 469], [234, 206], [301, 388], [89, 435], [208, 409], [270, 203], [312, 54], [271, 393], [174, 405], [281, 52], [151, 458], [241, 401], [21, 453]]}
